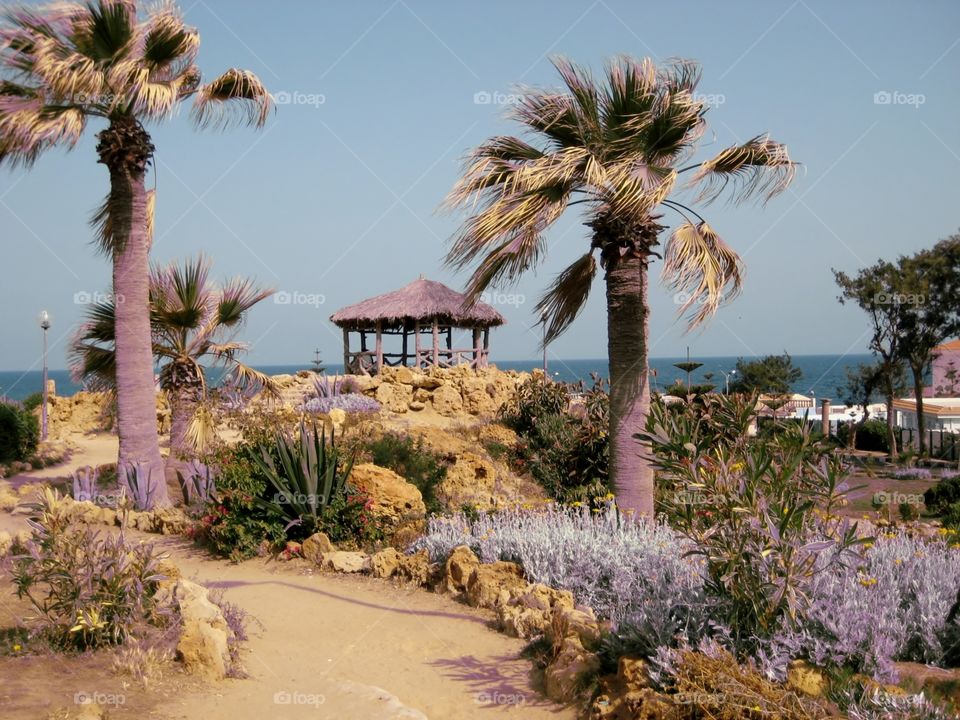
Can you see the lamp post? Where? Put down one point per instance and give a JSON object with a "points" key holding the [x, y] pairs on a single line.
{"points": [[543, 318], [45, 325], [726, 378]]}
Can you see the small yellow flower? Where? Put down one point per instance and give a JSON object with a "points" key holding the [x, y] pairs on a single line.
{"points": [[868, 582], [943, 531], [898, 561], [16, 648]]}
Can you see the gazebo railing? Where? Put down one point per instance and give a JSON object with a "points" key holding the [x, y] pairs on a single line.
{"points": [[364, 362]]}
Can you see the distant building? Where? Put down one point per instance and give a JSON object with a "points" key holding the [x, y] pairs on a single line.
{"points": [[938, 413], [946, 370]]}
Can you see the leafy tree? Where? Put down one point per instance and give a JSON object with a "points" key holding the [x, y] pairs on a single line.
{"points": [[105, 60], [194, 325], [771, 375], [872, 289], [861, 384], [929, 282], [619, 147]]}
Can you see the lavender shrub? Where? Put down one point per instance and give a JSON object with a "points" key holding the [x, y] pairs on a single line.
{"points": [[633, 574], [348, 402]]}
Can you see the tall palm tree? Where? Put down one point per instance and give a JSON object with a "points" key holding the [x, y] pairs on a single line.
{"points": [[68, 63], [621, 148], [194, 324]]}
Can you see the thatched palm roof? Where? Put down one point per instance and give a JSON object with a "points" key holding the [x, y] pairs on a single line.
{"points": [[422, 300]]}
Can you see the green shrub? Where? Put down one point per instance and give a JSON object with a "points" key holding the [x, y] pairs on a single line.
{"points": [[872, 435], [87, 590], [951, 516], [944, 494], [19, 433], [33, 401], [409, 458], [534, 399]]}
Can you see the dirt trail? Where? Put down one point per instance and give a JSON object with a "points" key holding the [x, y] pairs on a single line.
{"points": [[329, 647]]}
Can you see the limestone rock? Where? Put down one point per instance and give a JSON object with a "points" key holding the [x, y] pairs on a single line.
{"points": [[578, 623], [490, 585], [416, 568], [563, 677], [394, 499], [471, 480], [803, 677], [459, 566], [529, 613], [345, 562], [403, 376], [203, 644], [634, 672], [416, 405], [447, 400], [315, 546], [393, 397], [385, 563]]}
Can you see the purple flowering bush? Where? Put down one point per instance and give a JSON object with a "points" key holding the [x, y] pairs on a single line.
{"points": [[633, 574], [348, 402], [913, 473]]}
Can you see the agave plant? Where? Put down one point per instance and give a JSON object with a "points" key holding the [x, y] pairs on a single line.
{"points": [[85, 483], [304, 471], [124, 64], [198, 482]]}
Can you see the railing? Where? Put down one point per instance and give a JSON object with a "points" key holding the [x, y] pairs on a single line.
{"points": [[941, 444], [364, 362]]}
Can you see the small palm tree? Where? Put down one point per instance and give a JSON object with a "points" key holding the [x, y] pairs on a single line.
{"points": [[619, 148], [194, 324], [69, 63]]}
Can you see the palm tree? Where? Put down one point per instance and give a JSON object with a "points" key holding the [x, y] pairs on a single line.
{"points": [[194, 323], [68, 63], [619, 148]]}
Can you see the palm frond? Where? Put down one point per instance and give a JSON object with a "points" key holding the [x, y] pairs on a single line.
{"points": [[759, 166], [202, 429], [699, 265], [235, 96], [236, 299], [566, 296]]}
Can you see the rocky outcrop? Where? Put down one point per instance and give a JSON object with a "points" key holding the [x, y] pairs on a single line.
{"points": [[470, 481], [459, 567], [395, 501], [384, 564], [204, 642], [490, 585], [530, 613], [314, 547], [343, 561]]}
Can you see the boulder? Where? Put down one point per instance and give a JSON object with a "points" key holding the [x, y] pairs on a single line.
{"points": [[345, 562], [496, 433], [470, 481], [315, 546], [563, 679], [395, 398], [458, 568], [385, 563], [416, 568], [203, 644], [394, 499], [447, 401], [805, 678], [529, 613], [416, 405], [403, 376], [579, 623], [478, 395], [490, 585]]}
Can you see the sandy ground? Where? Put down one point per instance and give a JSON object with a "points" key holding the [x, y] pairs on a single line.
{"points": [[328, 646]]}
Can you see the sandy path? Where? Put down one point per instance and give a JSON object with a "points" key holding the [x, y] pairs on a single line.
{"points": [[331, 647], [353, 647]]}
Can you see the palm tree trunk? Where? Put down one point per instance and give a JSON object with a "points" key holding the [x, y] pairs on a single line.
{"points": [[136, 396], [182, 409], [627, 338]]}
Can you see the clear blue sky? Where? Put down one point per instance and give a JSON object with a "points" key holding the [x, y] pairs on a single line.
{"points": [[339, 199]]}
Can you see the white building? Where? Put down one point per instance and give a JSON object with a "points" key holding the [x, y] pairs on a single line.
{"points": [[938, 413]]}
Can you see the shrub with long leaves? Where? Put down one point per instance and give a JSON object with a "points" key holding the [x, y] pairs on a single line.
{"points": [[87, 590], [307, 474]]}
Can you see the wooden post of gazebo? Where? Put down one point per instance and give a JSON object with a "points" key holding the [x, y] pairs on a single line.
{"points": [[403, 353], [416, 344], [477, 351], [346, 351], [486, 345], [436, 343], [379, 346]]}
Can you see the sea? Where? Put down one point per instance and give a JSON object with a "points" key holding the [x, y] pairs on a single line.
{"points": [[822, 374]]}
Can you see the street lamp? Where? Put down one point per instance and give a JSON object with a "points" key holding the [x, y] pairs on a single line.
{"points": [[543, 318], [45, 325], [726, 377]]}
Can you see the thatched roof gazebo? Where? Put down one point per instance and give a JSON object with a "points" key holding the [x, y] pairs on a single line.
{"points": [[423, 306]]}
